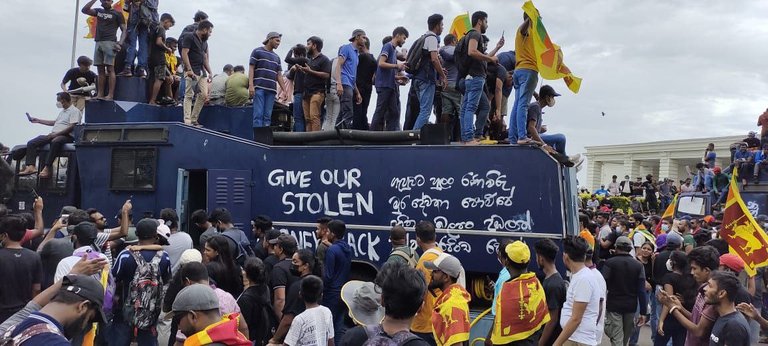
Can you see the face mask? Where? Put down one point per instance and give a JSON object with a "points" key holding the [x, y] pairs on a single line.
{"points": [[665, 227], [59, 105], [295, 270], [669, 265], [618, 230], [551, 102]]}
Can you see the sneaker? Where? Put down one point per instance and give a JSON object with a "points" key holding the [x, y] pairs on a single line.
{"points": [[126, 73], [575, 158], [755, 180], [141, 73]]}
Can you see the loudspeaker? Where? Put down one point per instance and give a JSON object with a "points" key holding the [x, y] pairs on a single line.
{"points": [[263, 135], [434, 134]]}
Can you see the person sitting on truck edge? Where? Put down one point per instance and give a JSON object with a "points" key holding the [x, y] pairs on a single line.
{"points": [[218, 88], [425, 239], [79, 77], [761, 161], [744, 160], [401, 250], [536, 128], [520, 319], [338, 262], [450, 316], [61, 133]]}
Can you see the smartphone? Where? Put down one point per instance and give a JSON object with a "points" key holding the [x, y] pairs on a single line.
{"points": [[502, 33], [34, 193], [29, 117], [64, 218]]}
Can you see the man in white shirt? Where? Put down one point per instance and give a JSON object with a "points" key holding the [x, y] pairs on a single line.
{"points": [[84, 237], [613, 187], [61, 133], [584, 308], [219, 85]]}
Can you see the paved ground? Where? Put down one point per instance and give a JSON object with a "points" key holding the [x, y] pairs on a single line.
{"points": [[644, 340]]}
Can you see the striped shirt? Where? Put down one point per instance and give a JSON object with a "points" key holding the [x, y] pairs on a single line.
{"points": [[266, 66]]}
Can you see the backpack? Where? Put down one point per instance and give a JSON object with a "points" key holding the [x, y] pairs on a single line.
{"points": [[461, 55], [409, 258], [415, 58], [244, 251], [145, 293], [377, 337], [26, 334], [263, 309]]}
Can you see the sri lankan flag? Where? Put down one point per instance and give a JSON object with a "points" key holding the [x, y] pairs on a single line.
{"points": [[450, 318], [521, 310], [744, 235], [222, 332], [91, 21], [549, 57], [461, 25]]}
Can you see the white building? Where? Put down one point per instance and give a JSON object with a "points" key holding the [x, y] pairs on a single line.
{"points": [[664, 159]]}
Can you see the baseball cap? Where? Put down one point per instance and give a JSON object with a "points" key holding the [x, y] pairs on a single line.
{"points": [[364, 302], [286, 241], [272, 236], [661, 241], [447, 264], [548, 91], [717, 169], [518, 252], [149, 228], [85, 232], [709, 219], [732, 262], [67, 210], [163, 234], [197, 297], [623, 242], [356, 33], [674, 239], [270, 36], [88, 288]]}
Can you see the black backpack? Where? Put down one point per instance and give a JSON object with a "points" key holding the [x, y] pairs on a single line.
{"points": [[415, 59], [461, 55], [244, 250]]}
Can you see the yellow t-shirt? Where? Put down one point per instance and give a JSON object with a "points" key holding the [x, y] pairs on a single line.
{"points": [[422, 323], [525, 55], [172, 62]]}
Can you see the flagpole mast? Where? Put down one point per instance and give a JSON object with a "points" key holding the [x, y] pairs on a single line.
{"points": [[74, 33]]}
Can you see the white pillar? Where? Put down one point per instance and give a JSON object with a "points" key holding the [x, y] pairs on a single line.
{"points": [[594, 174], [631, 167], [668, 167]]}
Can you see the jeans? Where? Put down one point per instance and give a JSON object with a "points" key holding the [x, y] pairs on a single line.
{"points": [[263, 101], [483, 111], [636, 334], [360, 119], [656, 308], [122, 333], [472, 94], [556, 141], [525, 84], [332, 107], [298, 113], [346, 109], [332, 300], [56, 144], [141, 33], [426, 93], [665, 202], [387, 113]]}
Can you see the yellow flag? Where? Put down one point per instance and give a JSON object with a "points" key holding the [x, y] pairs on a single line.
{"points": [[670, 212], [549, 57], [461, 24], [744, 235]]}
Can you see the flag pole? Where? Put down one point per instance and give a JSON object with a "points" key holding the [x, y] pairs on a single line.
{"points": [[74, 33]]}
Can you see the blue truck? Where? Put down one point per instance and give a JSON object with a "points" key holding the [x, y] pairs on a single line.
{"points": [[476, 196]]}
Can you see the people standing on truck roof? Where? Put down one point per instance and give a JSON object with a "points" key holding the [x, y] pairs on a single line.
{"points": [[303, 264], [21, 268], [345, 77], [555, 289], [581, 314], [316, 75], [79, 77], [179, 241], [108, 20], [401, 249], [525, 77], [157, 61], [338, 263], [521, 306], [426, 77], [61, 133], [322, 233], [625, 277], [386, 116], [142, 19], [450, 314], [264, 74], [197, 71], [281, 276], [332, 100], [297, 56], [366, 69], [450, 96]]}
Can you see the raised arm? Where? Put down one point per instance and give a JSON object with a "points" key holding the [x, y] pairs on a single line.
{"points": [[87, 8]]}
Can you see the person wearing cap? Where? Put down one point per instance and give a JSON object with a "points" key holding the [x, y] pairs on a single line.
{"points": [[625, 277], [78, 77], [338, 264], [521, 305], [345, 77], [281, 276], [536, 130], [425, 239], [270, 240], [581, 314], [264, 74], [78, 303], [20, 268], [752, 141], [83, 237], [149, 233], [735, 265], [314, 326], [450, 316], [196, 307], [219, 85], [721, 182]]}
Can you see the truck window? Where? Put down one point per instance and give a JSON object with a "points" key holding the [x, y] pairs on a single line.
{"points": [[133, 169], [58, 180]]}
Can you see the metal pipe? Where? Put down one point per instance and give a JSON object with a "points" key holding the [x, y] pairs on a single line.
{"points": [[74, 33]]}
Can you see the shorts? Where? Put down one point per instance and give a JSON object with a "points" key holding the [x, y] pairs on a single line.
{"points": [[105, 53], [451, 102], [160, 72]]}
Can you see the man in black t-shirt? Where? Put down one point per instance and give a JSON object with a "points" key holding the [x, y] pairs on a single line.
{"points": [[79, 77], [108, 20], [650, 194], [366, 69], [281, 276], [731, 328], [555, 288], [157, 61], [197, 71], [21, 267]]}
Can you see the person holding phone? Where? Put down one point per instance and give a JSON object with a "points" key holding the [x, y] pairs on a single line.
{"points": [[61, 133]]}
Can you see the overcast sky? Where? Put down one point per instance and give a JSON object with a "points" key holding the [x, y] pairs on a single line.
{"points": [[659, 70]]}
